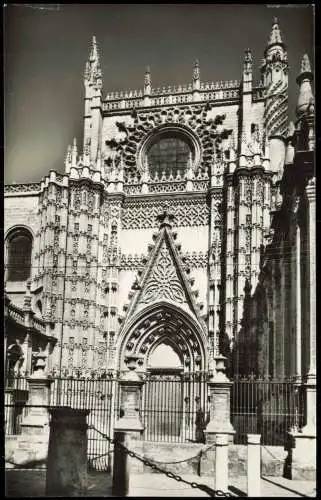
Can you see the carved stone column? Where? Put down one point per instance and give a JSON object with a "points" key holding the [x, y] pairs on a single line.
{"points": [[129, 428]]}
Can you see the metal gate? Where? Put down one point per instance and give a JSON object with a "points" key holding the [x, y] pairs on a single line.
{"points": [[174, 406]]}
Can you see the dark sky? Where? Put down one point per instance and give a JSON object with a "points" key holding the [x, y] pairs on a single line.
{"points": [[46, 49]]}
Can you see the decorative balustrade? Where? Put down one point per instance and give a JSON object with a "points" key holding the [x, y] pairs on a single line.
{"points": [[32, 187], [228, 84], [179, 94], [16, 314], [39, 325]]}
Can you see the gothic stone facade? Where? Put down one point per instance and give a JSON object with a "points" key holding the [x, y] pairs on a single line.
{"points": [[157, 232]]}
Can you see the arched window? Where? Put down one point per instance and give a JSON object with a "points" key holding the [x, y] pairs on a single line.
{"points": [[19, 250]]}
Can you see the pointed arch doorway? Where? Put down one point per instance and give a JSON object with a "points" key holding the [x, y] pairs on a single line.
{"points": [[172, 350], [163, 398]]}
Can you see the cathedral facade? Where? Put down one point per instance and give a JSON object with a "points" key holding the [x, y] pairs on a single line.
{"points": [[173, 225]]}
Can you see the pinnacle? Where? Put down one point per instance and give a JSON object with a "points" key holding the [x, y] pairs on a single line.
{"points": [[305, 64], [275, 36], [196, 72], [147, 80], [248, 55], [94, 51]]}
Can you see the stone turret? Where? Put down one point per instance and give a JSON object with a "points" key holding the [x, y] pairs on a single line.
{"points": [[275, 78], [305, 109]]}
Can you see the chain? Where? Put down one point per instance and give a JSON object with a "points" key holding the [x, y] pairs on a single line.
{"points": [[184, 460], [154, 467]]}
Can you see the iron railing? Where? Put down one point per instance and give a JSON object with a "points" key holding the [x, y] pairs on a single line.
{"points": [[266, 407], [96, 395], [174, 408]]}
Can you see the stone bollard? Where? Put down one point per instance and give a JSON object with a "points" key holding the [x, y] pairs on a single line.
{"points": [[67, 453], [253, 465], [221, 462], [128, 429]]}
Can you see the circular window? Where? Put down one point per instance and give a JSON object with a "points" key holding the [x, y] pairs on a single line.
{"points": [[168, 156], [169, 152]]}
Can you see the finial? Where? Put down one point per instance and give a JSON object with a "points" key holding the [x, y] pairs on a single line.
{"points": [[196, 71], [275, 36], [147, 80], [94, 53], [68, 154], [248, 55], [304, 80], [305, 64], [165, 218]]}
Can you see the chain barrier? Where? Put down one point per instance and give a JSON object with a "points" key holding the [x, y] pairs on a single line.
{"points": [[198, 455], [151, 463]]}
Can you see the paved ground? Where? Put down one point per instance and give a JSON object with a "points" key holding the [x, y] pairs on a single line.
{"points": [[27, 483]]}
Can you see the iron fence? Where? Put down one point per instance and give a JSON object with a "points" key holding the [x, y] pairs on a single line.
{"points": [[266, 407], [174, 408], [96, 395]]}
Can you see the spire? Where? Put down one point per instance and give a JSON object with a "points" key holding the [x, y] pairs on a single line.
{"points": [[275, 36], [94, 56], [304, 80], [93, 72]]}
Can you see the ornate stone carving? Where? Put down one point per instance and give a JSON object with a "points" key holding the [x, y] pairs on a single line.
{"points": [[163, 281], [141, 215], [191, 117]]}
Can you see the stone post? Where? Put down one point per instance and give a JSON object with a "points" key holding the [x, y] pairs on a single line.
{"points": [[220, 406], [221, 462], [128, 429], [39, 384], [253, 465], [67, 453]]}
